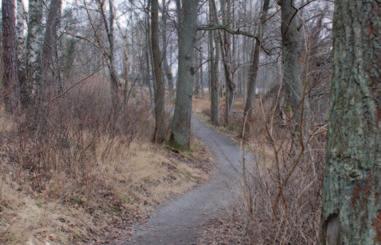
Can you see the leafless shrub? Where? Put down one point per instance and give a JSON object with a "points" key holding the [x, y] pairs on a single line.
{"points": [[283, 190], [74, 126]]}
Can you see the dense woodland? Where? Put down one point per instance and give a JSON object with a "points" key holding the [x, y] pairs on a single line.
{"points": [[90, 88]]}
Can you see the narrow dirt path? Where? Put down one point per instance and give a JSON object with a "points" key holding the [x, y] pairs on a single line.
{"points": [[179, 221]]}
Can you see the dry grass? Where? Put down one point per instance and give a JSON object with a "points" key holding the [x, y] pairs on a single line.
{"points": [[127, 188], [87, 177]]}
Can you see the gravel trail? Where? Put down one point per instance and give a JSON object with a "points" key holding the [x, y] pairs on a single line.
{"points": [[179, 221]]}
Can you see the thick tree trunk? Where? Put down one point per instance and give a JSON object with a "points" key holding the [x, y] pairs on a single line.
{"points": [[213, 70], [253, 72], [159, 95], [292, 54], [181, 127], [351, 211], [10, 81]]}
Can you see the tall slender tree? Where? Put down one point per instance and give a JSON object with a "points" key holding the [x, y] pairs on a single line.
{"points": [[181, 127], [34, 43], [50, 44], [10, 81], [225, 40], [213, 69], [253, 72], [159, 93], [351, 211], [21, 17], [167, 68]]}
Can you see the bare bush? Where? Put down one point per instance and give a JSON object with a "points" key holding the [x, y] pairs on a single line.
{"points": [[283, 190], [76, 124]]}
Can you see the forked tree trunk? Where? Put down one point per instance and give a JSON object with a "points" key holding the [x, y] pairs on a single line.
{"points": [[9, 55], [351, 211], [159, 95], [181, 127]]}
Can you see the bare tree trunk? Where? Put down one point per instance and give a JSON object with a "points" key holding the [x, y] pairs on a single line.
{"points": [[213, 70], [10, 81], [50, 46], [292, 52], [226, 59], [159, 134], [197, 64], [253, 72], [115, 96], [351, 211], [125, 71], [167, 68], [21, 17], [147, 55], [33, 53], [201, 72], [69, 58], [181, 127], [109, 55]]}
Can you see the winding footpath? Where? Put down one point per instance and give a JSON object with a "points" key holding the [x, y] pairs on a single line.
{"points": [[179, 221]]}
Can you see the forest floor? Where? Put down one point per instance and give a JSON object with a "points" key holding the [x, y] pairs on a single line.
{"points": [[123, 189], [181, 221]]}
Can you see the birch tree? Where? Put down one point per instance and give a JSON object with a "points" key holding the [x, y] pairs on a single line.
{"points": [[351, 211], [21, 17], [34, 43]]}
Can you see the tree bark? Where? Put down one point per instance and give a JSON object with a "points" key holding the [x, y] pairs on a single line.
{"points": [[181, 127], [213, 70], [21, 17], [292, 55], [159, 95], [253, 72], [167, 68], [109, 54], [351, 212], [10, 81], [226, 58], [50, 45], [34, 43]]}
